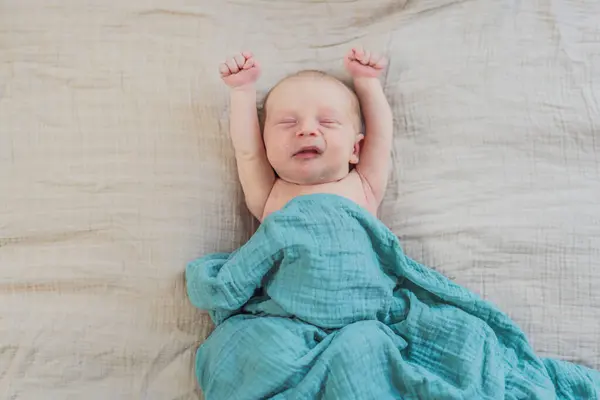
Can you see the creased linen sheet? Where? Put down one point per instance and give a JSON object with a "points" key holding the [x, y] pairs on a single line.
{"points": [[116, 169]]}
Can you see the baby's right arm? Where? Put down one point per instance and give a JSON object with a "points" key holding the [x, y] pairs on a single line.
{"points": [[255, 173]]}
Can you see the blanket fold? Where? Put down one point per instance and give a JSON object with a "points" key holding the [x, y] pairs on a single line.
{"points": [[322, 302]]}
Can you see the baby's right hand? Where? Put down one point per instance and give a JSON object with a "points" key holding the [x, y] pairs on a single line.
{"points": [[240, 70]]}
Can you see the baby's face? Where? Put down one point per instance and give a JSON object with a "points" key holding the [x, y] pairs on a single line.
{"points": [[311, 132]]}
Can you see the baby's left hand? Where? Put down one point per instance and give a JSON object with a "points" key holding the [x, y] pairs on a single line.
{"points": [[364, 64]]}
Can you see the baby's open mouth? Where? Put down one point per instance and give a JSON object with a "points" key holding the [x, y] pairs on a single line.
{"points": [[308, 152]]}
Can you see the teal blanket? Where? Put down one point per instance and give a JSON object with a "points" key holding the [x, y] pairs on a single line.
{"points": [[321, 303]]}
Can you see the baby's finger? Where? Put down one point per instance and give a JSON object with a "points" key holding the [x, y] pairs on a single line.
{"points": [[240, 60], [224, 70], [366, 58], [375, 57], [381, 63], [358, 53], [248, 64], [232, 65], [349, 55]]}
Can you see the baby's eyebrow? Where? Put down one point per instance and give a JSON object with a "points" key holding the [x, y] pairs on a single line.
{"points": [[330, 112], [284, 113]]}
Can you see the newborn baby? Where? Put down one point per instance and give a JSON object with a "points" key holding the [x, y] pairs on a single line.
{"points": [[321, 302], [313, 137]]}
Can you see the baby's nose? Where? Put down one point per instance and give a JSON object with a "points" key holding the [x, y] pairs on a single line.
{"points": [[308, 129], [307, 133]]}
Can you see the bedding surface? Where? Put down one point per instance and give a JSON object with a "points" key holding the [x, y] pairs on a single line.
{"points": [[116, 169]]}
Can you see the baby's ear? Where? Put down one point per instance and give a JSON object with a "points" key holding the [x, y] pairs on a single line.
{"points": [[354, 158]]}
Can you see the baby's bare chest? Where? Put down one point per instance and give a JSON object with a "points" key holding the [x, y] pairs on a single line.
{"points": [[350, 187]]}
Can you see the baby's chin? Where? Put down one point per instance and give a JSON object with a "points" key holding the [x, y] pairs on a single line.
{"points": [[311, 179]]}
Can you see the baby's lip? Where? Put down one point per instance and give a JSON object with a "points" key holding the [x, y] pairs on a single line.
{"points": [[309, 150]]}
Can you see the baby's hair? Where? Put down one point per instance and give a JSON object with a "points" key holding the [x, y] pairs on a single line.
{"points": [[317, 74]]}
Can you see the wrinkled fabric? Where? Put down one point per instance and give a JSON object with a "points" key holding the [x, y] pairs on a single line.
{"points": [[322, 301], [116, 169]]}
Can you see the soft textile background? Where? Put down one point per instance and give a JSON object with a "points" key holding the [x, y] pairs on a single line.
{"points": [[116, 168]]}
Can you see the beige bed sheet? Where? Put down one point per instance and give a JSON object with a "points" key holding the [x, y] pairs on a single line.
{"points": [[116, 169]]}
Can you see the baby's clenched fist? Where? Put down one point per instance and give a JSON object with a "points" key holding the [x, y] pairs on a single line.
{"points": [[240, 70], [362, 63]]}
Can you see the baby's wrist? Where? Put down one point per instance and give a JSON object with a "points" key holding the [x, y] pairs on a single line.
{"points": [[366, 81], [247, 88], [366, 78]]}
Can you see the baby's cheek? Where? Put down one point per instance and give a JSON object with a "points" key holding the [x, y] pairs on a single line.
{"points": [[272, 144], [343, 144], [281, 149], [278, 152]]}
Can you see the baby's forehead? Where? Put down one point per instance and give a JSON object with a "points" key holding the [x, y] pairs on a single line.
{"points": [[308, 80], [330, 90]]}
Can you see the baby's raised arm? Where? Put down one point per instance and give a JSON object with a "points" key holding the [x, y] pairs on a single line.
{"points": [[256, 175], [375, 155]]}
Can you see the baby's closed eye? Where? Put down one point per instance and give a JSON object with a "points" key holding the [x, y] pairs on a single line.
{"points": [[287, 121], [329, 122]]}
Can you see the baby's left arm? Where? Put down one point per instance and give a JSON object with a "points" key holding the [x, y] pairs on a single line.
{"points": [[375, 155]]}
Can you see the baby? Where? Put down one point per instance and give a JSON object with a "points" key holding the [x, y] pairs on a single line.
{"points": [[321, 302], [313, 138]]}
